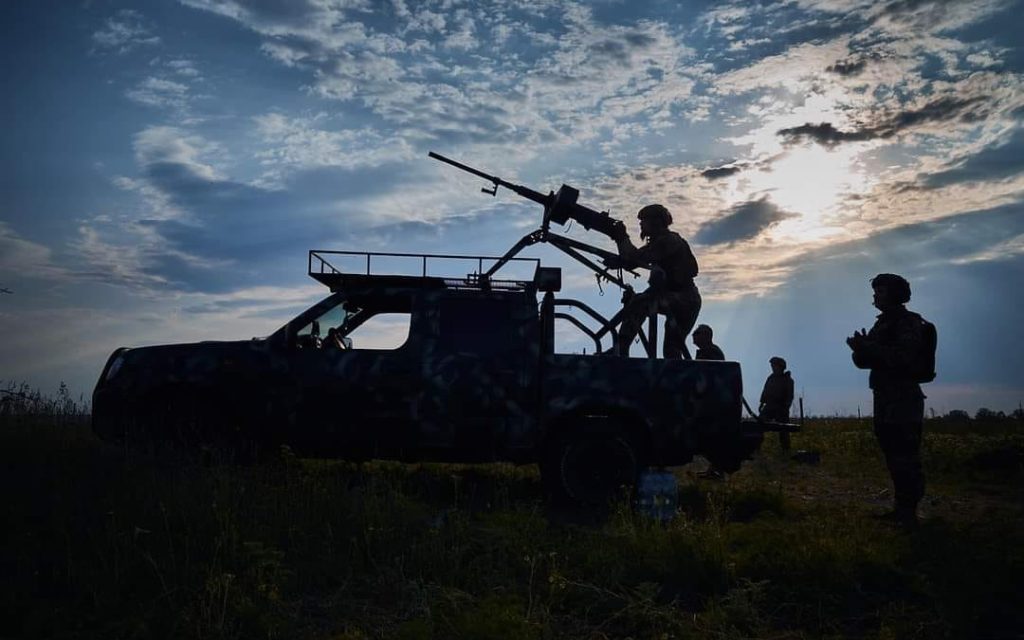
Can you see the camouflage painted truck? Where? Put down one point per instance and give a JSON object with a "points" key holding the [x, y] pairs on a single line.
{"points": [[472, 375]]}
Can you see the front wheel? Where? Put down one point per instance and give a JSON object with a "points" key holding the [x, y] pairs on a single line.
{"points": [[590, 469]]}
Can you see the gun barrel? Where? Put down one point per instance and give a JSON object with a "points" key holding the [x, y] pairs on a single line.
{"points": [[525, 192], [438, 156]]}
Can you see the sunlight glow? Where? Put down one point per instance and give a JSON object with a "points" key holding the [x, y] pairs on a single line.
{"points": [[812, 182]]}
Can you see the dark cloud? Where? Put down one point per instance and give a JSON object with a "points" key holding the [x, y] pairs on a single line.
{"points": [[721, 172], [825, 134], [1003, 160], [235, 232], [847, 67], [940, 110], [741, 222]]}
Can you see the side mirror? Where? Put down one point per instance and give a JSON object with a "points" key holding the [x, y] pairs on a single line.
{"points": [[347, 342]]}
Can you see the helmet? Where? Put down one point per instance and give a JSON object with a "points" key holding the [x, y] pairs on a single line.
{"points": [[899, 287], [657, 212]]}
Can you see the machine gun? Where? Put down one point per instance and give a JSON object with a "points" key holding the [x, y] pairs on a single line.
{"points": [[559, 208]]}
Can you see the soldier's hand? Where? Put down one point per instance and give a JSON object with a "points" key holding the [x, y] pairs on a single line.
{"points": [[613, 262], [619, 231], [856, 341]]}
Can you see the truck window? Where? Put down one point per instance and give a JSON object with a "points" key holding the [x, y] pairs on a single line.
{"points": [[384, 331], [476, 326]]}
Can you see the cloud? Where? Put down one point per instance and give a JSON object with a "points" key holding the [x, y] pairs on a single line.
{"points": [[847, 67], [1001, 160], [124, 32], [301, 143], [721, 172], [933, 15], [24, 258], [743, 221], [207, 232], [159, 92], [472, 80], [939, 110]]}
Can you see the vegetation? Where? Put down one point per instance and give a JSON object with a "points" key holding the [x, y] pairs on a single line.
{"points": [[102, 542]]}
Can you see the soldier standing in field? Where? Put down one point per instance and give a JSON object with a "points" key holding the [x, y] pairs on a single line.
{"points": [[777, 397], [894, 350], [671, 291]]}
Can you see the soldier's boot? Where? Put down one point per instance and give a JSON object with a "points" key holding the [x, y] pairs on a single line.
{"points": [[902, 515]]}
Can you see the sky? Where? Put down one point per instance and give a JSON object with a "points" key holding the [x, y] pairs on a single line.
{"points": [[166, 166]]}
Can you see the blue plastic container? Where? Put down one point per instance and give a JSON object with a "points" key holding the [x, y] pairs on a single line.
{"points": [[657, 494]]}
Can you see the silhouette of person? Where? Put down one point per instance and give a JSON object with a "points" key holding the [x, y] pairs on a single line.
{"points": [[890, 350], [671, 291], [777, 397], [706, 348], [333, 340]]}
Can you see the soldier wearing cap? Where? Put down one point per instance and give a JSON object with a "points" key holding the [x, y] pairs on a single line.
{"points": [[671, 291], [777, 397], [889, 350]]}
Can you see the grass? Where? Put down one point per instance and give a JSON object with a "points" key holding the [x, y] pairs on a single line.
{"points": [[102, 542]]}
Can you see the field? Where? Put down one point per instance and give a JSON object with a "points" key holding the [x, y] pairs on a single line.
{"points": [[98, 542]]}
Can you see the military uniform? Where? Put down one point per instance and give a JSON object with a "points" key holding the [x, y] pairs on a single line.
{"points": [[671, 292], [890, 351], [710, 352], [776, 399]]}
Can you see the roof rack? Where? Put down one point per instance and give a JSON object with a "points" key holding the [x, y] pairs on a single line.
{"points": [[346, 269]]}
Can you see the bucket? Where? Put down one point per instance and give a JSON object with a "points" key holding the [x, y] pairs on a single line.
{"points": [[657, 495]]}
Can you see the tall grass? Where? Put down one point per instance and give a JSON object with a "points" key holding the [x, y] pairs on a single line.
{"points": [[102, 542]]}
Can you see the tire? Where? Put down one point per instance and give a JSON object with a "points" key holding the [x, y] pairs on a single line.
{"points": [[590, 469]]}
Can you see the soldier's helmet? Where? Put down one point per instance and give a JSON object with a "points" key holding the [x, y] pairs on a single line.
{"points": [[897, 285], [657, 213]]}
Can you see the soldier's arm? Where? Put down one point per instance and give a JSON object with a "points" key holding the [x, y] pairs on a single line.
{"points": [[900, 350]]}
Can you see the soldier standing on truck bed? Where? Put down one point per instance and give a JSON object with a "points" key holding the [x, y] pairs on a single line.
{"points": [[899, 350], [671, 291], [777, 397]]}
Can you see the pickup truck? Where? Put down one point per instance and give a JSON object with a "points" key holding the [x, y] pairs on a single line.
{"points": [[471, 376]]}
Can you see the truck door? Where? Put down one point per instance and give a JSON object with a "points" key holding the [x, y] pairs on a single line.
{"points": [[477, 387], [360, 379]]}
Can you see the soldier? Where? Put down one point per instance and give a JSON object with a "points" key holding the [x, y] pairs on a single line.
{"points": [[891, 351], [706, 348], [777, 397], [671, 291]]}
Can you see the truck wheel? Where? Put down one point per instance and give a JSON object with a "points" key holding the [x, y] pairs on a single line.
{"points": [[590, 469]]}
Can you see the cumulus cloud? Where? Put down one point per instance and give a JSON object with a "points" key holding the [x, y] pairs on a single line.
{"points": [[742, 221]]}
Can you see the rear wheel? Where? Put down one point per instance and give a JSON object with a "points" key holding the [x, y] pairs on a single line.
{"points": [[590, 469]]}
